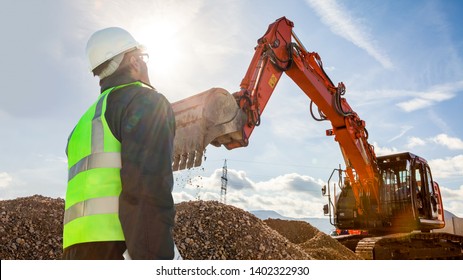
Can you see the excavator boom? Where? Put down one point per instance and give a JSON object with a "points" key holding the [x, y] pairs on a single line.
{"points": [[383, 195], [278, 51]]}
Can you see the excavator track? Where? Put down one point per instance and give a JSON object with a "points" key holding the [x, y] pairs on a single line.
{"points": [[411, 246]]}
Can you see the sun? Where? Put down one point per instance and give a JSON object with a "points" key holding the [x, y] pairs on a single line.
{"points": [[162, 40]]}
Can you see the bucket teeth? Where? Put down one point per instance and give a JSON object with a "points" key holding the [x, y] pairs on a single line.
{"points": [[183, 161], [176, 162], [191, 160], [199, 158], [187, 160]]}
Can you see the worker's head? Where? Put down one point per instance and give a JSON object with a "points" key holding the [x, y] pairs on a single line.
{"points": [[114, 48]]}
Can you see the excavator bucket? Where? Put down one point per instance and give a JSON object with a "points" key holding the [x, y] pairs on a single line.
{"points": [[211, 117]]}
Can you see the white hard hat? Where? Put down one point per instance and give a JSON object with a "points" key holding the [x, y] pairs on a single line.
{"points": [[107, 43]]}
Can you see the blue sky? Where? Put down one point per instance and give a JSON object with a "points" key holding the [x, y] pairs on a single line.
{"points": [[401, 61]]}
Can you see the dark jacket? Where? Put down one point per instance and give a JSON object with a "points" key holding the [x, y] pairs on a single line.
{"points": [[143, 121]]}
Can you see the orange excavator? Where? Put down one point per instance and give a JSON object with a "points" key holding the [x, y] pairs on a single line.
{"points": [[394, 198]]}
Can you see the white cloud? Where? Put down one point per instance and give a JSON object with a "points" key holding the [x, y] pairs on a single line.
{"points": [[414, 104], [451, 198], [285, 203], [452, 143], [343, 24], [416, 99], [435, 94], [381, 151], [292, 182], [182, 196], [5, 180], [292, 195], [236, 179], [415, 141], [447, 167]]}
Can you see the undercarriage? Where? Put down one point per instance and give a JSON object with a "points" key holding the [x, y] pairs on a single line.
{"points": [[405, 246]]}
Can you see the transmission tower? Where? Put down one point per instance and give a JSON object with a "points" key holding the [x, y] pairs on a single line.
{"points": [[223, 189]]}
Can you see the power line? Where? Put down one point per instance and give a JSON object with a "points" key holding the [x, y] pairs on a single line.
{"points": [[223, 188]]}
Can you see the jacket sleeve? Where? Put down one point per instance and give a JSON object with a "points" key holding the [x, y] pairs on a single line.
{"points": [[146, 207]]}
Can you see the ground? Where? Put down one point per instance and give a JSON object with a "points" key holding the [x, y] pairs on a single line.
{"points": [[31, 229]]}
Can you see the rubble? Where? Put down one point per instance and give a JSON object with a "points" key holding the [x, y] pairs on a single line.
{"points": [[211, 230], [31, 229], [314, 242]]}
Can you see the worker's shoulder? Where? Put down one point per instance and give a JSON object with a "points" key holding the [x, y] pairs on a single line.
{"points": [[146, 94], [137, 94]]}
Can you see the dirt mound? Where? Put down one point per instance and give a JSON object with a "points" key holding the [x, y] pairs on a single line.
{"points": [[31, 229], [295, 231], [211, 230], [314, 242]]}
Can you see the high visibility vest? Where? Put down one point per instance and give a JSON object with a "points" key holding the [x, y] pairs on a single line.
{"points": [[94, 181]]}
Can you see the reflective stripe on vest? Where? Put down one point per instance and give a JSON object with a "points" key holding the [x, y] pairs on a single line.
{"points": [[100, 160], [92, 196], [93, 206]]}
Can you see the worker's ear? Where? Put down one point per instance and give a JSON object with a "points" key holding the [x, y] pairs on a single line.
{"points": [[135, 63], [136, 67]]}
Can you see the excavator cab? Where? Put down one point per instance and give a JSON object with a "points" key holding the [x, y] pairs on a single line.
{"points": [[428, 201], [409, 199], [409, 191]]}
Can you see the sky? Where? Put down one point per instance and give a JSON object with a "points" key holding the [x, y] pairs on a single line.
{"points": [[401, 62]]}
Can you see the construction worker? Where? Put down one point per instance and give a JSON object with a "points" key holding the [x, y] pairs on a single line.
{"points": [[119, 195]]}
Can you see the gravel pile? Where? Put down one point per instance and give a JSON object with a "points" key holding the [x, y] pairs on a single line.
{"points": [[314, 242], [31, 229], [211, 230]]}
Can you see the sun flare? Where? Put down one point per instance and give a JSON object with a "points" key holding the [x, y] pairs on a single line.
{"points": [[163, 43]]}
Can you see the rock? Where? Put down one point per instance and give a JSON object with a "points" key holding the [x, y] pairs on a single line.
{"points": [[225, 235], [27, 224], [314, 242], [31, 229]]}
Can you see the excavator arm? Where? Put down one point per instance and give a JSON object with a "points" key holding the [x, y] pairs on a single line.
{"points": [[278, 51], [381, 195]]}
